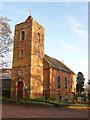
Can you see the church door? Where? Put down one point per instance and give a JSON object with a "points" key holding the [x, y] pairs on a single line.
{"points": [[20, 90]]}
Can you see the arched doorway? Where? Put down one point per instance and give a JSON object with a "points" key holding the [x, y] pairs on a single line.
{"points": [[20, 90]]}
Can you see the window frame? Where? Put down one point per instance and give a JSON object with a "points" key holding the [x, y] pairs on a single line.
{"points": [[59, 82], [22, 35], [65, 83], [38, 37], [71, 81], [21, 54], [38, 54]]}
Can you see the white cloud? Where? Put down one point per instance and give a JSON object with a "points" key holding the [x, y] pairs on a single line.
{"points": [[73, 22], [80, 32], [77, 27], [66, 45]]}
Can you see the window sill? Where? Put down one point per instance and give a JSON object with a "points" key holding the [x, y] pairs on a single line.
{"points": [[59, 89]]}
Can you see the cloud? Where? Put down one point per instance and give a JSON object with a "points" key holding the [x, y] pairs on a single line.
{"points": [[77, 27], [66, 45], [73, 22]]}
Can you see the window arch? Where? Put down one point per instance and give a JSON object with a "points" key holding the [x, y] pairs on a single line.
{"points": [[21, 54], [58, 78], [38, 54], [38, 37], [65, 83]]}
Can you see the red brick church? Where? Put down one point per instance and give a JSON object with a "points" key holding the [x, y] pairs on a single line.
{"points": [[35, 74]]}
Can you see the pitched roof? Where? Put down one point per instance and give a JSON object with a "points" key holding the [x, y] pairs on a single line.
{"points": [[29, 18], [57, 64]]}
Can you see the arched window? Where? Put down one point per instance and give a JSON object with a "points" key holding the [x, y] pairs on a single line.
{"points": [[65, 83], [58, 82], [22, 36], [38, 37], [71, 83], [38, 54], [21, 54]]}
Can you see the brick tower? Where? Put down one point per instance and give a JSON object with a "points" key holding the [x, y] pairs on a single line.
{"points": [[28, 53]]}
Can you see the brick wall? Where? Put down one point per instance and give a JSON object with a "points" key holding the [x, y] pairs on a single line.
{"points": [[46, 78], [51, 81], [37, 63], [22, 63], [54, 73]]}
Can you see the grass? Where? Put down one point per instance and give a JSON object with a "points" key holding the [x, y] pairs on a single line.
{"points": [[42, 101]]}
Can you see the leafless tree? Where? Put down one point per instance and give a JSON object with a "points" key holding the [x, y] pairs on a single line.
{"points": [[6, 42]]}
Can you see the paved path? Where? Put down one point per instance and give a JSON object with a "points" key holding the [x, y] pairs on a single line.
{"points": [[28, 111]]}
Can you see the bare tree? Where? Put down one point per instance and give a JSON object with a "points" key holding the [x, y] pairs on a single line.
{"points": [[5, 42]]}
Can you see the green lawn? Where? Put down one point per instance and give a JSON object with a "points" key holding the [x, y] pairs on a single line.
{"points": [[42, 101]]}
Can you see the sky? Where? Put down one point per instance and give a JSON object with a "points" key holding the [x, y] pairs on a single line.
{"points": [[66, 29]]}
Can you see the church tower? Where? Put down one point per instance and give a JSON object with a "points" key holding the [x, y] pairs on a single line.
{"points": [[28, 54]]}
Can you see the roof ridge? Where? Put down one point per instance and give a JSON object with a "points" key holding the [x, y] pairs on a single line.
{"points": [[29, 18], [67, 67], [61, 63]]}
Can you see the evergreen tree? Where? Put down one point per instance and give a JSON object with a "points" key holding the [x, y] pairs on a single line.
{"points": [[80, 82], [89, 82]]}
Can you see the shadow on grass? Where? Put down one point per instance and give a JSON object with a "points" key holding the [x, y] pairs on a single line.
{"points": [[42, 102]]}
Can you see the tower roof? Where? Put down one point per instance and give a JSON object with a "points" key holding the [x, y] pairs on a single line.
{"points": [[29, 18]]}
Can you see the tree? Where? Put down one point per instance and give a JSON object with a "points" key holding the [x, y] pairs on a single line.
{"points": [[80, 82], [6, 42], [89, 82]]}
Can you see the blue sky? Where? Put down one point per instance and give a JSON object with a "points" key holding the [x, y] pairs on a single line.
{"points": [[66, 29]]}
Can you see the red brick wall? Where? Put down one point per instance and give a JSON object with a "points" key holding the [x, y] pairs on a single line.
{"points": [[54, 73], [46, 78], [51, 82], [37, 63], [23, 63]]}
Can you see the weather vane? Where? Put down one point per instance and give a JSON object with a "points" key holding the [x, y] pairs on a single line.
{"points": [[29, 12]]}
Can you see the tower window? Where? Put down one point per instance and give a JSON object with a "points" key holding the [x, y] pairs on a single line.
{"points": [[38, 37], [58, 82], [22, 36], [65, 83], [38, 54], [21, 54]]}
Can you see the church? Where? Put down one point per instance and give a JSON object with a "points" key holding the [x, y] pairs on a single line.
{"points": [[35, 74]]}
